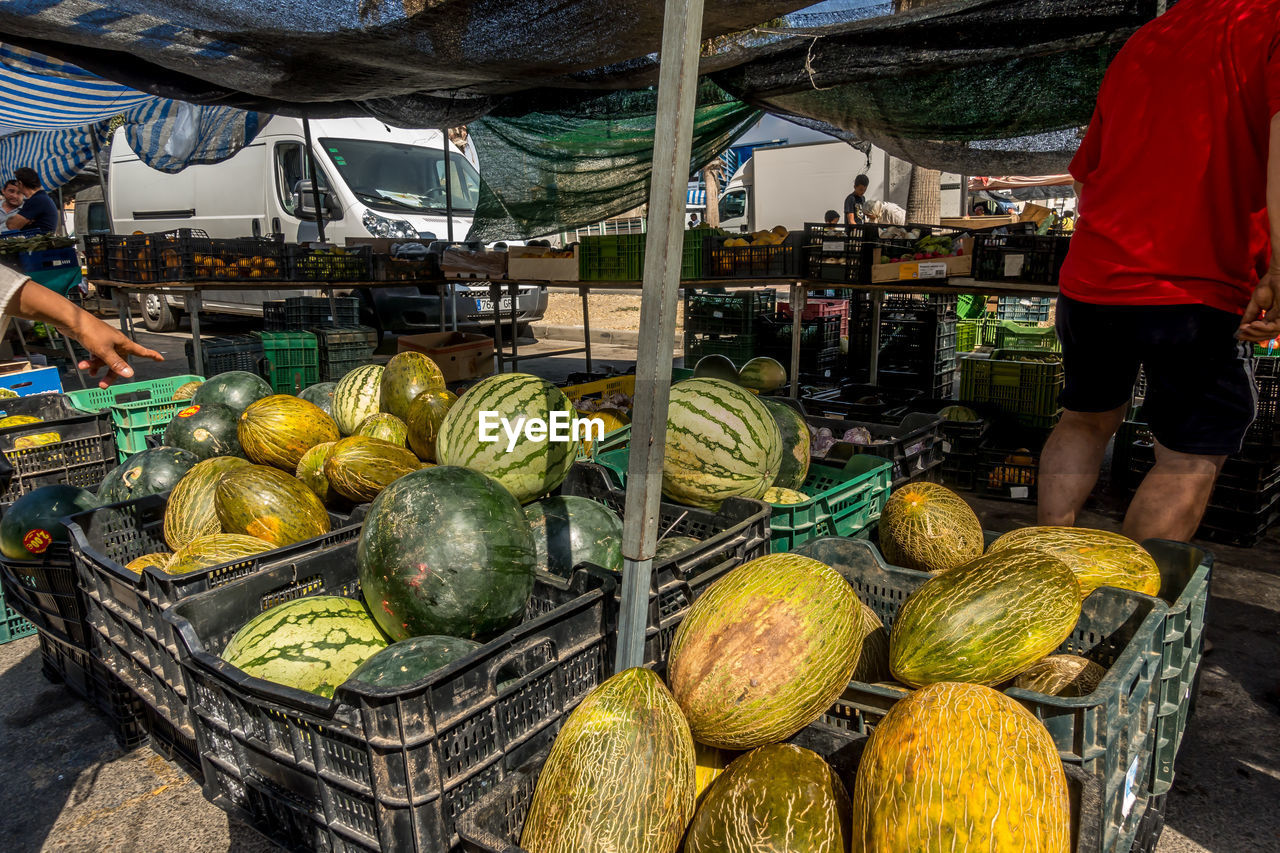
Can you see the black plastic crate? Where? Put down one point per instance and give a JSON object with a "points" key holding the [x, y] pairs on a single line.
{"points": [[722, 313], [74, 668], [918, 338], [819, 341], [83, 455], [1266, 426], [860, 401], [372, 768], [232, 352], [273, 316], [849, 253], [314, 312], [161, 256], [239, 259], [913, 444], [123, 607], [329, 263], [779, 261], [737, 348], [1030, 259], [95, 255], [44, 591], [343, 349], [384, 267]]}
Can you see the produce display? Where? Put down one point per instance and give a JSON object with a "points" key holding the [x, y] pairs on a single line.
{"points": [[268, 503], [357, 396], [1098, 557], [190, 511], [762, 374], [929, 527], [153, 471], [33, 523], [321, 394], [310, 472], [568, 530]]}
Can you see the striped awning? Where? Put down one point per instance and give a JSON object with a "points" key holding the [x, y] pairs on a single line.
{"points": [[40, 93], [697, 198]]}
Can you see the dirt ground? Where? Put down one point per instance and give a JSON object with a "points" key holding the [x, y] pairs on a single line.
{"points": [[608, 310]]}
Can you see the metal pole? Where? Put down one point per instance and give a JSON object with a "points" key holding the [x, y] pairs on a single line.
{"points": [[315, 182], [102, 181], [797, 309], [586, 325], [875, 335], [673, 132], [448, 186]]}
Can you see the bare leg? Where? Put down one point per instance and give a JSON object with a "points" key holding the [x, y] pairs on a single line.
{"points": [[1071, 462], [1172, 498]]}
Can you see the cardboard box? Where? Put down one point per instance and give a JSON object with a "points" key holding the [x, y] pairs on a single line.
{"points": [[459, 355], [939, 268], [526, 263], [19, 377]]}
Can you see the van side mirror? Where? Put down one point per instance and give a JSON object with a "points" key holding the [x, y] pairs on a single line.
{"points": [[306, 206]]}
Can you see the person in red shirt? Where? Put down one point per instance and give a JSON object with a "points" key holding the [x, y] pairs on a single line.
{"points": [[1189, 110]]}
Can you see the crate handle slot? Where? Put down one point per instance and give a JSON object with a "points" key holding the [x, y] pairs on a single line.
{"points": [[525, 657], [294, 590]]}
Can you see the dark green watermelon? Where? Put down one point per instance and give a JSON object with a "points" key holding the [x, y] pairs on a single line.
{"points": [[235, 389], [446, 550], [568, 530], [795, 444], [154, 471], [320, 394], [716, 366], [411, 660], [33, 523], [673, 546], [205, 429]]}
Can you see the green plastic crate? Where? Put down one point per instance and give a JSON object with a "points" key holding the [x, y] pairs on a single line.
{"points": [[967, 335], [617, 257], [1015, 382], [692, 260], [620, 437], [843, 501], [13, 625], [294, 359], [138, 409], [1011, 335]]}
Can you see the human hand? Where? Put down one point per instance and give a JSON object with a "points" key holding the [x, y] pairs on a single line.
{"points": [[1261, 320], [108, 347]]}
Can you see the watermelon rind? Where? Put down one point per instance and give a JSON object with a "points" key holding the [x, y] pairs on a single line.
{"points": [[409, 661], [235, 389], [793, 469], [569, 529]]}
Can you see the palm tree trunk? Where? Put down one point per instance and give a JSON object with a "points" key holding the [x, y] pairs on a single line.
{"points": [[711, 177]]}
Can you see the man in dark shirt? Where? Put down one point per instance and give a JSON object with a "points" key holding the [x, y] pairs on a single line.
{"points": [[38, 212], [854, 201]]}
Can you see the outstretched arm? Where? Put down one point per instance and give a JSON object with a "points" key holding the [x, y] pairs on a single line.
{"points": [[1252, 328]]}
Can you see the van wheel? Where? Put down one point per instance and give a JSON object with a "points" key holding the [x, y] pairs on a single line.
{"points": [[157, 314]]}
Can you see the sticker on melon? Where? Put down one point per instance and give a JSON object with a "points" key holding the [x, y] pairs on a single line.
{"points": [[37, 541], [188, 411]]}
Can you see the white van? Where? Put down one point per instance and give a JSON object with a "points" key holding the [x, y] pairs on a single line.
{"points": [[375, 181]]}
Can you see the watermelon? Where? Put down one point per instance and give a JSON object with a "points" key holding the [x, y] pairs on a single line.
{"points": [[620, 776], [267, 503], [159, 559], [960, 767], [721, 442], [1061, 675], [206, 551], [958, 414], [762, 374], [425, 416], [1098, 557], [310, 471], [446, 550], [190, 512], [928, 527], [407, 661], [321, 394], [153, 471], [784, 497], [739, 692], [716, 366], [186, 391], [985, 621], [673, 546], [873, 659], [384, 427], [359, 468], [794, 469], [568, 530], [311, 644], [406, 376], [277, 430], [235, 389], [34, 521], [777, 797], [205, 429], [356, 397], [530, 467]]}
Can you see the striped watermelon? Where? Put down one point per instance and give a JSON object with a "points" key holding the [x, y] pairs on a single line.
{"points": [[311, 644], [722, 442], [794, 469], [357, 397], [190, 512], [533, 467]]}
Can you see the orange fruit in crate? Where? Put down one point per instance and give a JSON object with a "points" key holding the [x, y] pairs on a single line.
{"points": [[139, 233], [219, 263], [171, 259], [255, 273], [204, 272], [245, 263], [268, 263]]}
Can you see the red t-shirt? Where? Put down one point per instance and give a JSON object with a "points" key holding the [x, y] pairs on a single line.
{"points": [[1174, 163]]}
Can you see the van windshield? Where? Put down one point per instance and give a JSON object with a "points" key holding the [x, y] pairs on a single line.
{"points": [[396, 176]]}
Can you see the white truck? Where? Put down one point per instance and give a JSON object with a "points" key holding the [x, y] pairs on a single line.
{"points": [[374, 181], [790, 185]]}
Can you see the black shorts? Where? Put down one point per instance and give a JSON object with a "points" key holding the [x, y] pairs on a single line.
{"points": [[1200, 395]]}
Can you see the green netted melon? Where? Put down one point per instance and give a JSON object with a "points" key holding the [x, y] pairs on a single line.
{"points": [[277, 430], [958, 414], [777, 797], [1062, 675], [265, 502], [673, 546], [235, 389], [721, 442], [186, 391], [153, 471], [873, 660], [568, 530], [205, 429], [796, 442], [321, 394], [928, 527], [739, 692], [986, 621], [762, 374], [411, 660], [423, 425], [960, 767], [310, 471], [716, 366], [359, 468], [406, 376], [190, 512], [213, 550], [620, 776], [784, 497], [311, 644], [1098, 557], [384, 427], [159, 559]]}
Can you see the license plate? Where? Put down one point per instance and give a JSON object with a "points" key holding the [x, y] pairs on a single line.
{"points": [[486, 305]]}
